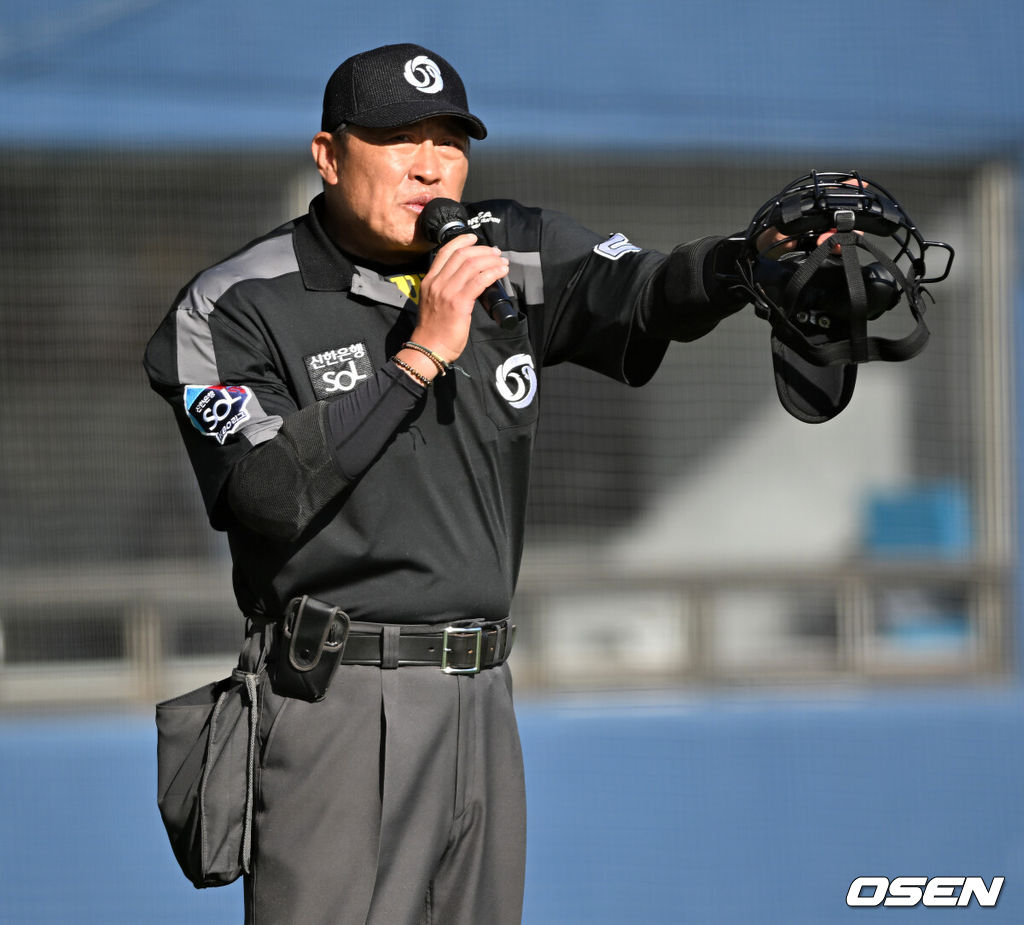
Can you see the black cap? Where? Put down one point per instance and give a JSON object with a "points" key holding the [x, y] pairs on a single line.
{"points": [[396, 85]]}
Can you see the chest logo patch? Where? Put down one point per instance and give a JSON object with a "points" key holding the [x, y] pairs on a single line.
{"points": [[339, 370], [217, 410], [516, 380]]}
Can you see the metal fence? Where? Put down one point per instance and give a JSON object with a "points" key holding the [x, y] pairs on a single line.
{"points": [[733, 543]]}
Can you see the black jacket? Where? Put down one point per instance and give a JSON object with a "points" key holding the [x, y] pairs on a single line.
{"points": [[430, 527]]}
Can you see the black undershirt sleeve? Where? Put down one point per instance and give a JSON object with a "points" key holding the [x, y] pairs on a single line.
{"points": [[279, 487], [686, 297], [360, 423]]}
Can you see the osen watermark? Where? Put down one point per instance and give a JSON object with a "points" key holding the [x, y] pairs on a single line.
{"points": [[924, 891]]}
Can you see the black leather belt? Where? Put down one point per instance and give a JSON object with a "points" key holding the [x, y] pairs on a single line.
{"points": [[463, 648]]}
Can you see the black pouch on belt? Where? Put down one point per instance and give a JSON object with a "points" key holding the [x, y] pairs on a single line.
{"points": [[309, 649]]}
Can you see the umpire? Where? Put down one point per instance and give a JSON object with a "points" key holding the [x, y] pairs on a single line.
{"points": [[362, 429]]}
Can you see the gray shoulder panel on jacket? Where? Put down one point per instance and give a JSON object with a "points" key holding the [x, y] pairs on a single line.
{"points": [[196, 357]]}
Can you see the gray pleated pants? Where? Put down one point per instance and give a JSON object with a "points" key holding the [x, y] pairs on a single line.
{"points": [[397, 799]]}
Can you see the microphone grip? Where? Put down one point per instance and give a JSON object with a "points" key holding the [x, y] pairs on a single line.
{"points": [[499, 306], [494, 298]]}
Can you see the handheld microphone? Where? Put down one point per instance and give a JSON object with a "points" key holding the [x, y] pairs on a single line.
{"points": [[444, 219]]}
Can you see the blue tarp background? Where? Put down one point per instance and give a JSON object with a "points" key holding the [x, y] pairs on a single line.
{"points": [[932, 76]]}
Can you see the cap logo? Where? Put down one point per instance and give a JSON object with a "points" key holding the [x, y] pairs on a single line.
{"points": [[424, 74]]}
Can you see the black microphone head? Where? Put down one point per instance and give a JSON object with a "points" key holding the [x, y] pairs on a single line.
{"points": [[443, 219]]}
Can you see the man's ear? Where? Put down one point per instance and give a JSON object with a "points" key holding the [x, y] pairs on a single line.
{"points": [[325, 153]]}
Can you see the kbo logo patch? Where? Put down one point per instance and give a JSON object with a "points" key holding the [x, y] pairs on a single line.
{"points": [[217, 410]]}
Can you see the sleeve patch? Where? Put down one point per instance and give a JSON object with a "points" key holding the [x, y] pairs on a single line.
{"points": [[217, 410], [618, 245]]}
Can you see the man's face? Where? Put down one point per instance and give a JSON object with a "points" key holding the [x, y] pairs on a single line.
{"points": [[378, 180]]}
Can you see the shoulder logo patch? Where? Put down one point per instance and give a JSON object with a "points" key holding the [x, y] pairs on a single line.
{"points": [[618, 245], [481, 218], [217, 410], [339, 370]]}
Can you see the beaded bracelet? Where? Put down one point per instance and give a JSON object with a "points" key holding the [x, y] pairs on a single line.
{"points": [[438, 361], [419, 377]]}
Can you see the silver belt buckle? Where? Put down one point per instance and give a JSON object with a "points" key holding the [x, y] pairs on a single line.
{"points": [[460, 632]]}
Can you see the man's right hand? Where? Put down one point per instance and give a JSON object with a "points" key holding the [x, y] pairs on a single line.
{"points": [[460, 272]]}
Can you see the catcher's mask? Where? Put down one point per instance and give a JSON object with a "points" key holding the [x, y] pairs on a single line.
{"points": [[818, 297]]}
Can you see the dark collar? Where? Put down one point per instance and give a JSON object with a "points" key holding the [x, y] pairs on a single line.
{"points": [[324, 266]]}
